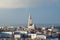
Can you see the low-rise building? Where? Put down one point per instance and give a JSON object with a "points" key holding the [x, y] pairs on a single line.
{"points": [[33, 36], [41, 36]]}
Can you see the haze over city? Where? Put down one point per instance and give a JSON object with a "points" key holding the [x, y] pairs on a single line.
{"points": [[42, 11]]}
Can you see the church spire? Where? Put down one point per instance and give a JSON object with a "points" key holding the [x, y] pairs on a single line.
{"points": [[30, 16], [29, 20], [30, 23]]}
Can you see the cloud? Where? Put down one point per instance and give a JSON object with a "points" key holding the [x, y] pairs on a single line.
{"points": [[25, 3]]}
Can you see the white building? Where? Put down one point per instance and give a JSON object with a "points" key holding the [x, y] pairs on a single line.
{"points": [[44, 27], [49, 29], [8, 33], [22, 32], [17, 36], [37, 36], [41, 37], [33, 36]]}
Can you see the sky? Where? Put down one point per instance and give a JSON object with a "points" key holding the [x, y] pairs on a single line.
{"points": [[42, 11]]}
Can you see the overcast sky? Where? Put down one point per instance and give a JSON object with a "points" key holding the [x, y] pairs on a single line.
{"points": [[42, 11]]}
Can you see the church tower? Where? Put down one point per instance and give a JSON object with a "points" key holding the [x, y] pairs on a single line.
{"points": [[29, 20], [30, 23]]}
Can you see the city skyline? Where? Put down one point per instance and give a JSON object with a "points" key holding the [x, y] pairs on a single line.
{"points": [[42, 11]]}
